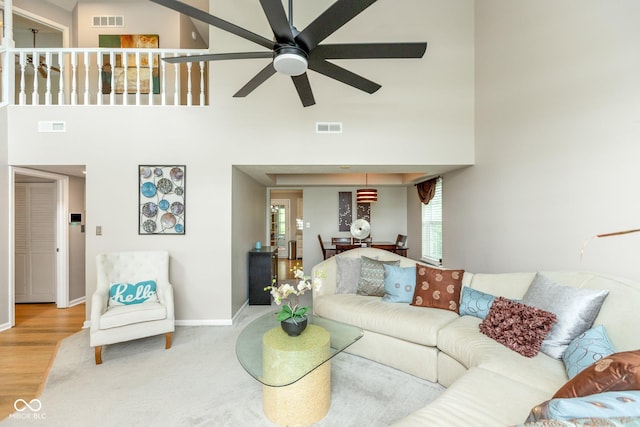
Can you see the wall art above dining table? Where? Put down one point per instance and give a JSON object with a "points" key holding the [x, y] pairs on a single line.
{"points": [[161, 199]]}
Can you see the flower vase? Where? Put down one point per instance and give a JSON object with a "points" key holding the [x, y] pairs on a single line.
{"points": [[292, 327]]}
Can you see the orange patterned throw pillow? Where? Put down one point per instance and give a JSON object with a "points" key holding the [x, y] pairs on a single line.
{"points": [[437, 288]]}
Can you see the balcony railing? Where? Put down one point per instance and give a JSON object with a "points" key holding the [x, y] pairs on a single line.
{"points": [[98, 76]]}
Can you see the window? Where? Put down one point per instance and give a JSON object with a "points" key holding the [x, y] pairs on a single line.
{"points": [[432, 228]]}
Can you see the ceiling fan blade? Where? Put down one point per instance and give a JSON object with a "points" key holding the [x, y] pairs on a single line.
{"points": [[256, 81], [370, 50], [303, 87], [345, 76], [218, 57], [42, 71], [278, 21], [338, 14], [215, 21]]}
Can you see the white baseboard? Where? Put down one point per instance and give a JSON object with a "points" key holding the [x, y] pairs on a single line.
{"points": [[77, 301], [5, 326]]}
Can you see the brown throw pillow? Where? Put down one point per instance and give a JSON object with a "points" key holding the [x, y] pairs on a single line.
{"points": [[517, 326], [437, 288], [619, 371]]}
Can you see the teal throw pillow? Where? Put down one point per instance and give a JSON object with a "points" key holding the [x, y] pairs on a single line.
{"points": [[399, 283], [609, 404], [371, 280], [475, 303], [586, 349], [129, 293]]}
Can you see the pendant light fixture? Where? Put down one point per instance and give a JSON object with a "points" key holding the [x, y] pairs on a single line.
{"points": [[366, 195]]}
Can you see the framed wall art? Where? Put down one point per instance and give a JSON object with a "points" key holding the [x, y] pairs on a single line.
{"points": [[161, 199], [345, 216], [115, 73]]}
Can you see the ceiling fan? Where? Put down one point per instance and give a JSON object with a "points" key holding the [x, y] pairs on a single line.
{"points": [[294, 52], [42, 65]]}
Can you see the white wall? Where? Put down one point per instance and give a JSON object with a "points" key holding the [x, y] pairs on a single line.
{"points": [[557, 131], [77, 241], [422, 115]]}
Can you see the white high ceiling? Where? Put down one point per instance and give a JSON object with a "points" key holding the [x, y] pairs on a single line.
{"points": [[291, 175]]}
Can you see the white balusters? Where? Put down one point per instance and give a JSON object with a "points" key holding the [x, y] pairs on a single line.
{"points": [[23, 65], [35, 62], [61, 78], [201, 83], [74, 69], [87, 64], [112, 89], [176, 83], [151, 79], [58, 77]]}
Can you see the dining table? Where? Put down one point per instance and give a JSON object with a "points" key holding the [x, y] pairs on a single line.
{"points": [[387, 246]]}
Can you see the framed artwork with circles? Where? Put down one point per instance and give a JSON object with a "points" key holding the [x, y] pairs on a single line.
{"points": [[161, 199]]}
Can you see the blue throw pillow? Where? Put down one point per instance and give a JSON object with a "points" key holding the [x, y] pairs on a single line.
{"points": [[586, 349], [399, 283], [129, 293], [475, 303], [609, 404]]}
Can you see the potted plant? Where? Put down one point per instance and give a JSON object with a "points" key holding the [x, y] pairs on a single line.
{"points": [[292, 317]]}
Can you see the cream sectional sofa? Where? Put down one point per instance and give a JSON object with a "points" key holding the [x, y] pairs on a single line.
{"points": [[487, 383]]}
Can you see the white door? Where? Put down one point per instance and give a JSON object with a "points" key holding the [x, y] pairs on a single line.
{"points": [[281, 232], [35, 242]]}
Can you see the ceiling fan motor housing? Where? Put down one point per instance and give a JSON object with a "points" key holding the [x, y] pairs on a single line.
{"points": [[290, 60]]}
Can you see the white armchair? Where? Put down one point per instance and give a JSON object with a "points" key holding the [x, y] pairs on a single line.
{"points": [[111, 322]]}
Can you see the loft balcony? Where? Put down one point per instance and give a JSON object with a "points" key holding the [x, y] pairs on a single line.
{"points": [[101, 76]]}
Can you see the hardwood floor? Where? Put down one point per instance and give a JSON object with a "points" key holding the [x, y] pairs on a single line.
{"points": [[284, 268], [28, 349]]}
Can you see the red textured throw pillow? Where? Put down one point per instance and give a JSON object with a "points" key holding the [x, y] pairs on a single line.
{"points": [[437, 288], [517, 326], [619, 371]]}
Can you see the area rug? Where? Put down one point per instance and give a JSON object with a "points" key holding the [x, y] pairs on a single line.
{"points": [[199, 382]]}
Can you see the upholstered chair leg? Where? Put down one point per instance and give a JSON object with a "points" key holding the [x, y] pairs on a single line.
{"points": [[167, 340], [98, 355]]}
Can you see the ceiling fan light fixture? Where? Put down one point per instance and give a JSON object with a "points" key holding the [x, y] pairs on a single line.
{"points": [[290, 60]]}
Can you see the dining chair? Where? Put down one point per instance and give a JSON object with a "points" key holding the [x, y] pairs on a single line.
{"points": [[346, 247], [326, 253]]}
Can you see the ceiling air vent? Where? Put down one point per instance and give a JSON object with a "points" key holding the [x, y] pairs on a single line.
{"points": [[108, 21], [328, 127]]}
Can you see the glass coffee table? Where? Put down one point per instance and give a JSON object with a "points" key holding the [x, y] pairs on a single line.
{"points": [[294, 370]]}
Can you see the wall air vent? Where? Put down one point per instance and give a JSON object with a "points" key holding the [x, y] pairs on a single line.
{"points": [[328, 127], [108, 21], [46, 126]]}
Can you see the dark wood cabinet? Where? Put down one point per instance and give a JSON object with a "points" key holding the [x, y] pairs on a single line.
{"points": [[263, 272]]}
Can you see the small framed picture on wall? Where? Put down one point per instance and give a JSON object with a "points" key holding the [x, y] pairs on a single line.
{"points": [[161, 199]]}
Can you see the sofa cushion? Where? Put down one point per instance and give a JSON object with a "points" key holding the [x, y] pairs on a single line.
{"points": [[461, 341], [479, 398], [347, 274], [517, 326], [586, 349], [575, 308], [399, 283], [601, 405], [437, 288], [127, 314], [371, 280], [475, 303], [619, 371], [414, 324]]}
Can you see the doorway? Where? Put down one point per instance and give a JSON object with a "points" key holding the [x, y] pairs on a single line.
{"points": [[69, 256], [286, 222]]}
